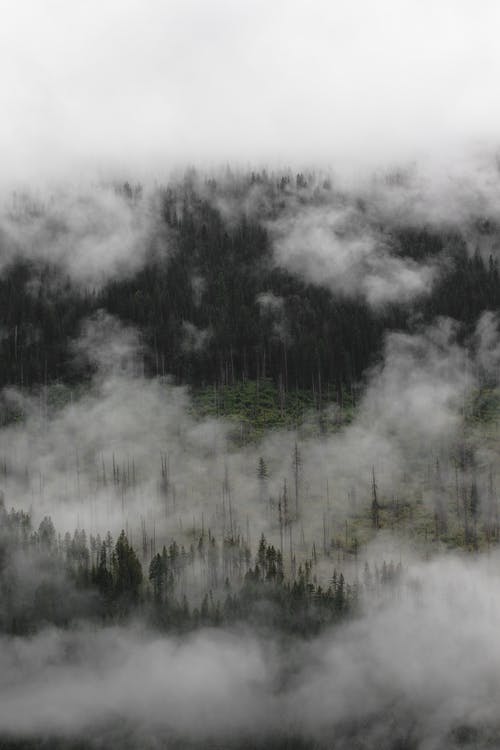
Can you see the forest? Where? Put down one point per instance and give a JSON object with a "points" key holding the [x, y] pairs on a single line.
{"points": [[213, 305], [249, 461]]}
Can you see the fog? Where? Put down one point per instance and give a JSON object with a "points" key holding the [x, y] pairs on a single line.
{"points": [[336, 250], [114, 86], [326, 131], [422, 670], [90, 232], [96, 461], [417, 665], [343, 236]]}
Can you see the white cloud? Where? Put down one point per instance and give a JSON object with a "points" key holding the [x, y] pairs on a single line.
{"points": [[336, 247], [94, 84], [414, 671], [92, 234]]}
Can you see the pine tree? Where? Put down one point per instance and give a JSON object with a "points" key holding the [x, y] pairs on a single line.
{"points": [[156, 577], [262, 474], [127, 570]]}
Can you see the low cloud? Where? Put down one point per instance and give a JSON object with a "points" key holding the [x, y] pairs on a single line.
{"points": [[99, 461], [354, 85], [338, 249], [422, 671], [92, 234]]}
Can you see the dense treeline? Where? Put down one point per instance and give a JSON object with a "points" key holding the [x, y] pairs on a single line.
{"points": [[49, 579], [197, 299]]}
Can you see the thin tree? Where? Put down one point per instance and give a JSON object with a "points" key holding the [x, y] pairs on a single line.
{"points": [[297, 464], [375, 503]]}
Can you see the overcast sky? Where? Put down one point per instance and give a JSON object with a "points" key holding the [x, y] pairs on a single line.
{"points": [[90, 84]]}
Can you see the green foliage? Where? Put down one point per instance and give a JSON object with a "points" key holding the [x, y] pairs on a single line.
{"points": [[483, 407], [258, 406]]}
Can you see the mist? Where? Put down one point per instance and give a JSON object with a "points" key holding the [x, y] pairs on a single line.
{"points": [[111, 87], [92, 233], [404, 474], [249, 375], [64, 461], [402, 673]]}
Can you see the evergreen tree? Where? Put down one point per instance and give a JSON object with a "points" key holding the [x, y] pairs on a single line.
{"points": [[127, 571]]}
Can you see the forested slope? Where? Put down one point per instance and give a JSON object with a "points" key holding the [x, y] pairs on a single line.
{"points": [[213, 301]]}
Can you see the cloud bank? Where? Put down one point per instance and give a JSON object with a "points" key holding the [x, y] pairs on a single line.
{"points": [[91, 233], [119, 84], [404, 673]]}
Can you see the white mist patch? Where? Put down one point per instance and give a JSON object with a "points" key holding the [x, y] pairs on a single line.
{"points": [[92, 234], [335, 247], [439, 193], [423, 665], [195, 687], [419, 668], [418, 391], [194, 339], [97, 461], [111, 347]]}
